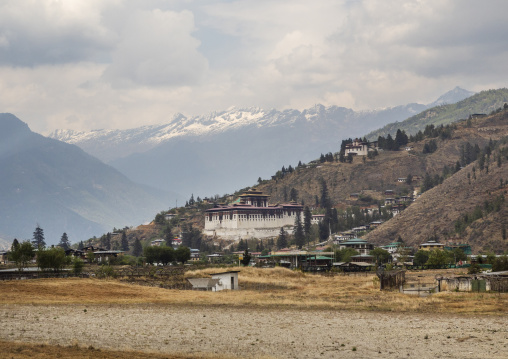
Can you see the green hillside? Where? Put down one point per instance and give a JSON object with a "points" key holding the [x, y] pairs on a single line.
{"points": [[484, 102]]}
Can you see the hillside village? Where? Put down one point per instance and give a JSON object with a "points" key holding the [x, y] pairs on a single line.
{"points": [[440, 188]]}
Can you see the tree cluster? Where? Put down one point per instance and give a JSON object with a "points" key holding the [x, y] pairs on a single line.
{"points": [[166, 255], [391, 144]]}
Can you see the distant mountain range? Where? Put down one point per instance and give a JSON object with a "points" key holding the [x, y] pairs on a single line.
{"points": [[63, 189], [223, 151]]}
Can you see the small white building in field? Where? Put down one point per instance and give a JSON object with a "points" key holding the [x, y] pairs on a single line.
{"points": [[218, 282], [227, 280]]}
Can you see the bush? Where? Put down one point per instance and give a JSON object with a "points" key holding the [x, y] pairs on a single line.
{"points": [[105, 271], [52, 259], [77, 266]]}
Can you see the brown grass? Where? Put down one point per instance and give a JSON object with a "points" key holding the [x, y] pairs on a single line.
{"points": [[16, 350], [269, 288]]}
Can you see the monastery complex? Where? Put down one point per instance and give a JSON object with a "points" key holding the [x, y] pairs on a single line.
{"points": [[251, 217]]}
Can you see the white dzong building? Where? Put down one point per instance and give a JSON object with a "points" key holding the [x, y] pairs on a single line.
{"points": [[251, 217]]}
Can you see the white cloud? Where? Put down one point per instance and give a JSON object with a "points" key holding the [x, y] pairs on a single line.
{"points": [[157, 48], [91, 64]]}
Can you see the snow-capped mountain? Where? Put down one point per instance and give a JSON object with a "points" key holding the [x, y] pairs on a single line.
{"points": [[110, 145], [227, 150]]}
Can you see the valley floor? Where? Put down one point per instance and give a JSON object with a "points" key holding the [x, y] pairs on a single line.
{"points": [[215, 331]]}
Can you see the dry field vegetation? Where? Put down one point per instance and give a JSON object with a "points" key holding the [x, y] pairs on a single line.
{"points": [[289, 314], [264, 288], [16, 350]]}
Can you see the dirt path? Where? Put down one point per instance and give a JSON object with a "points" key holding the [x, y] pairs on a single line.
{"points": [[258, 333]]}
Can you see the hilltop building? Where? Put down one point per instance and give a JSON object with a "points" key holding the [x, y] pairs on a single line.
{"points": [[430, 245], [251, 217], [360, 148], [359, 245]]}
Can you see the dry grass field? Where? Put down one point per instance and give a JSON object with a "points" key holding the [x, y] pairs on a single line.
{"points": [[279, 313], [265, 288], [17, 350]]}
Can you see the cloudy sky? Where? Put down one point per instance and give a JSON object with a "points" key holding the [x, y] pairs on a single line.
{"points": [[118, 64]]}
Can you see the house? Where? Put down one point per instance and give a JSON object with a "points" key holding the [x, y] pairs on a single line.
{"points": [[353, 266], [389, 201], [207, 284], [405, 199], [362, 258], [215, 257], [359, 245], [106, 256], [169, 216], [92, 249], [430, 245], [157, 242], [360, 229], [299, 259], [360, 148], [375, 224], [401, 179], [194, 255], [227, 280], [398, 250], [218, 282], [344, 236], [76, 253], [389, 192], [4, 257], [317, 218]]}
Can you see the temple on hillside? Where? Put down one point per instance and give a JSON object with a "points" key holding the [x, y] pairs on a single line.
{"points": [[251, 216], [360, 148]]}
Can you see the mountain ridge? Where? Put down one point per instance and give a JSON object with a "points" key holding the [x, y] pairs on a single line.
{"points": [[228, 149], [64, 189]]}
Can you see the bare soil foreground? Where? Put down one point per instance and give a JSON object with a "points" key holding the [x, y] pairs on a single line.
{"points": [[284, 314], [257, 333]]}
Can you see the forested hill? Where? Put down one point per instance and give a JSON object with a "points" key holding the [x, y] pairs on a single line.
{"points": [[484, 102], [456, 191]]}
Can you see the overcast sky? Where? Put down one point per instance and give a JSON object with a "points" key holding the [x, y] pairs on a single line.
{"points": [[118, 64]]}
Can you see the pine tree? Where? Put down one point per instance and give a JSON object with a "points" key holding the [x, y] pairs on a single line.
{"points": [[137, 249], [81, 245], [307, 220], [325, 199], [293, 195], [38, 238], [15, 245], [64, 242], [298, 232], [282, 241], [108, 241], [186, 236], [241, 245], [124, 242]]}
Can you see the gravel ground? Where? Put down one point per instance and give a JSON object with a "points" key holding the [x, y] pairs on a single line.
{"points": [[255, 333]]}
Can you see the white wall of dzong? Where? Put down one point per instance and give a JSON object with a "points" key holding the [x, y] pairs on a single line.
{"points": [[249, 225]]}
